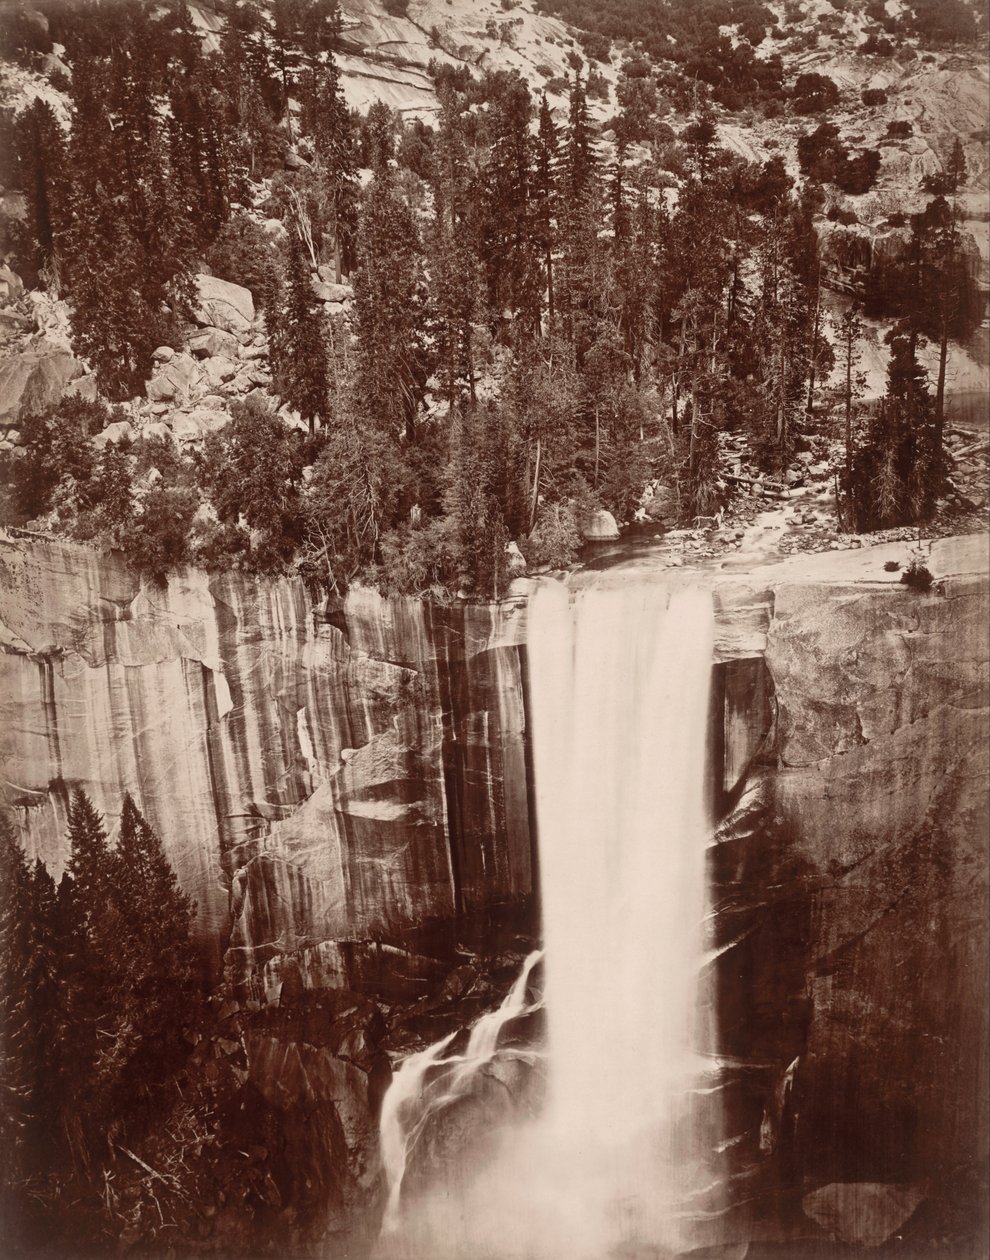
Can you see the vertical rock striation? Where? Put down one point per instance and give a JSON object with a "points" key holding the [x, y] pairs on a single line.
{"points": [[316, 778]]}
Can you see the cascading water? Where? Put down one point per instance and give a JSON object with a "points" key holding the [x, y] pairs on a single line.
{"points": [[427, 1082], [614, 1165], [620, 681]]}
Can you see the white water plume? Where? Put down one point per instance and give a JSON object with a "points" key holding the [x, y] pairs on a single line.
{"points": [[615, 1165], [426, 1082]]}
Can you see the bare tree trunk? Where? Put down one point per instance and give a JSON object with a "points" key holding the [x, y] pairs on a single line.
{"points": [[943, 355], [550, 306], [598, 443], [849, 407], [815, 328], [535, 498]]}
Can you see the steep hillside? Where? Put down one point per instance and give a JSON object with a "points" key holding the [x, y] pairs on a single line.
{"points": [[651, 164]]}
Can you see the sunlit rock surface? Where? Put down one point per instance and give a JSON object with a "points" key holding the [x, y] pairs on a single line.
{"points": [[314, 779]]}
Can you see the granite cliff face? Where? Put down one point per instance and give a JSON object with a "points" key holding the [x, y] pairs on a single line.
{"points": [[316, 776], [346, 793]]}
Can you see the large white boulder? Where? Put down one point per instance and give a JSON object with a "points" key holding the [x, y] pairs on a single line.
{"points": [[117, 431], [195, 425], [180, 380], [224, 305], [209, 342], [600, 526]]}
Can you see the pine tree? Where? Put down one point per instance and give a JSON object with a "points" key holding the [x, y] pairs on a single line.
{"points": [[327, 120], [40, 148], [849, 330], [509, 245], [128, 249], [297, 346], [454, 281], [584, 256], [545, 200], [17, 1042], [155, 1003], [389, 301], [892, 480], [91, 976]]}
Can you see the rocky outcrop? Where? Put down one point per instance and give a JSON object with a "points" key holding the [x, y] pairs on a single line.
{"points": [[851, 879], [35, 379], [224, 305], [317, 775]]}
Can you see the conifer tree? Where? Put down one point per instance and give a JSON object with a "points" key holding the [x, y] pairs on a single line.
{"points": [[154, 955], [849, 330], [326, 119], [92, 980], [509, 250], [545, 200], [40, 148], [454, 281], [389, 302], [17, 1043], [127, 249], [297, 346]]}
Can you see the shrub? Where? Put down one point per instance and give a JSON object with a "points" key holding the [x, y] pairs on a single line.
{"points": [[814, 94], [418, 560], [873, 96], [59, 460], [242, 252], [899, 129], [857, 175], [917, 576], [596, 46], [877, 45], [596, 85], [396, 8], [891, 566], [158, 540], [555, 540]]}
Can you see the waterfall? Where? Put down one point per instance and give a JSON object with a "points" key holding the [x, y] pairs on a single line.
{"points": [[615, 1164], [427, 1082], [619, 679]]}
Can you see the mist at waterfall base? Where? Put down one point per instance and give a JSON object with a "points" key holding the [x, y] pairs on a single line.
{"points": [[613, 1163]]}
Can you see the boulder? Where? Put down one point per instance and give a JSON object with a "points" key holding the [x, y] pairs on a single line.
{"points": [[323, 291], [157, 429], [180, 379], [83, 387], [193, 426], [224, 305], [118, 431], [662, 504], [862, 1213], [252, 352], [12, 323], [163, 354], [339, 292], [219, 369], [275, 228], [35, 380], [210, 342], [600, 526], [11, 285]]}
